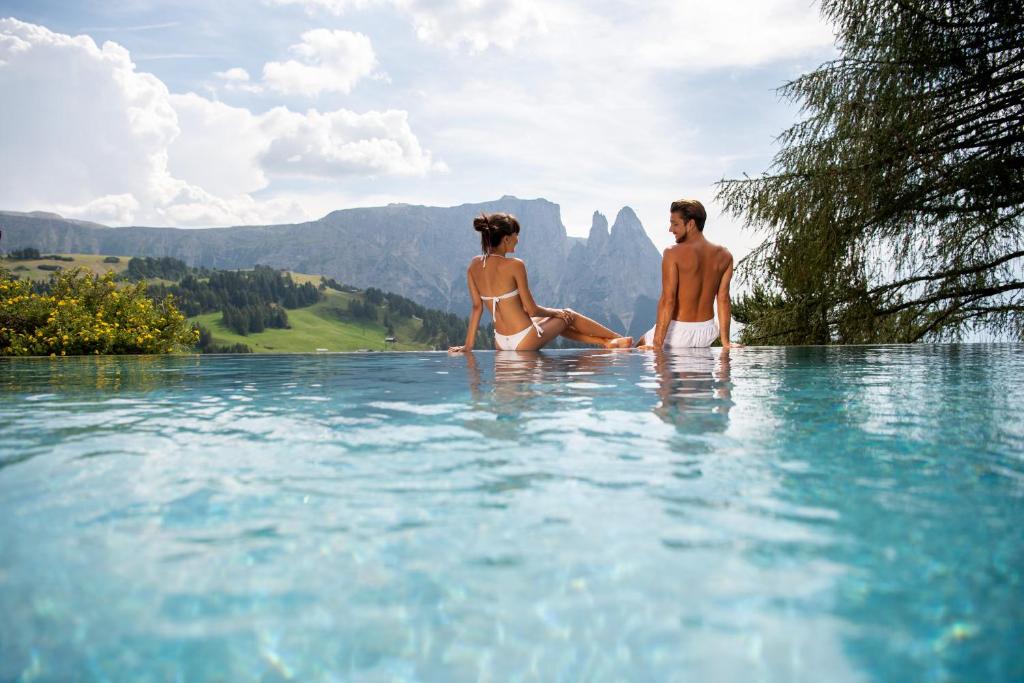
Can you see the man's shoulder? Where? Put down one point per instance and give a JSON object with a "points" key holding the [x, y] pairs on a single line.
{"points": [[677, 250], [721, 252]]}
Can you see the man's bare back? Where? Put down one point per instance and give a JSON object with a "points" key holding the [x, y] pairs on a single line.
{"points": [[695, 274], [700, 266]]}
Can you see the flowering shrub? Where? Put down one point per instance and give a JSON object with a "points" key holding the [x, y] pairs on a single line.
{"points": [[87, 314]]}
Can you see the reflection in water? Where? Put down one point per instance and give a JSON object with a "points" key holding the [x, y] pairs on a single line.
{"points": [[87, 374], [529, 385], [694, 386], [691, 390]]}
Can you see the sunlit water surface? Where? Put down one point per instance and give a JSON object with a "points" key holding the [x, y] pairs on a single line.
{"points": [[803, 514]]}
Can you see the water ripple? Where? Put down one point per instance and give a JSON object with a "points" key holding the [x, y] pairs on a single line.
{"points": [[780, 514]]}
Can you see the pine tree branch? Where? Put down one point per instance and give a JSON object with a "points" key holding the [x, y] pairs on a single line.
{"points": [[946, 274], [946, 296]]}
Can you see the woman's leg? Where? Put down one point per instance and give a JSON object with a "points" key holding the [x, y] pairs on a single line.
{"points": [[589, 331], [584, 338], [552, 328]]}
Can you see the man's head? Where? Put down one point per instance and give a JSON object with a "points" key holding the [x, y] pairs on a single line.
{"points": [[686, 216]]}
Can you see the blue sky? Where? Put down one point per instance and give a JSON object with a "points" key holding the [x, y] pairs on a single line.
{"points": [[196, 114]]}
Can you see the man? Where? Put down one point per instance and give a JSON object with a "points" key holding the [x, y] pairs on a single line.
{"points": [[694, 274]]}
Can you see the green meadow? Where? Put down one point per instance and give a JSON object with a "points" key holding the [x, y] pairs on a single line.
{"points": [[319, 326]]}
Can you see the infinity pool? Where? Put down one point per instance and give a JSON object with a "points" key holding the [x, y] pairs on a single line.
{"points": [[802, 514]]}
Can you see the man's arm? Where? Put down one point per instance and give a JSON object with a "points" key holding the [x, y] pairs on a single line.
{"points": [[667, 302], [725, 305]]}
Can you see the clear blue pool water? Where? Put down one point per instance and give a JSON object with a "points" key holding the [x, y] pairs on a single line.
{"points": [[802, 514]]}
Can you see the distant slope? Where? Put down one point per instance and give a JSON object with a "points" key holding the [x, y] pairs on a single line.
{"points": [[322, 325], [318, 327], [419, 252], [94, 262]]}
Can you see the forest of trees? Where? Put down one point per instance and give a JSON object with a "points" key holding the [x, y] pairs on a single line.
{"points": [[254, 317], [33, 254], [164, 267], [206, 345], [250, 300], [26, 254]]}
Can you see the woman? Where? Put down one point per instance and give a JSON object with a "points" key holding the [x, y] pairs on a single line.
{"points": [[500, 282]]}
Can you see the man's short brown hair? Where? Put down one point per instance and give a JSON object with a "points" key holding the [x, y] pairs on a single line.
{"points": [[691, 209]]}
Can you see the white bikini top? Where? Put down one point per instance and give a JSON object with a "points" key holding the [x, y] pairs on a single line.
{"points": [[495, 299]]}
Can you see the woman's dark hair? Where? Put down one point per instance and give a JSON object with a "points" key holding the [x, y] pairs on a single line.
{"points": [[494, 227]]}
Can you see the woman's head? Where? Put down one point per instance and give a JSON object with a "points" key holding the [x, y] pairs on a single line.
{"points": [[495, 228]]}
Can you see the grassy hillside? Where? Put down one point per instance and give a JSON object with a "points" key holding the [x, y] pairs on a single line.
{"points": [[318, 327], [324, 325], [93, 262]]}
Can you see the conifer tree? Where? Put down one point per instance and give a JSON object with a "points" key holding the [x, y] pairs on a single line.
{"points": [[893, 211]]}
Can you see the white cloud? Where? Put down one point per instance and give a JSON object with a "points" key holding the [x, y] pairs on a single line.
{"points": [[657, 33], [474, 24], [332, 6], [693, 34], [282, 142], [201, 155], [237, 79], [343, 143], [84, 133], [325, 61], [234, 75], [477, 24], [113, 209]]}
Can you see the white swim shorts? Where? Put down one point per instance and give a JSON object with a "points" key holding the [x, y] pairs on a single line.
{"points": [[687, 335]]}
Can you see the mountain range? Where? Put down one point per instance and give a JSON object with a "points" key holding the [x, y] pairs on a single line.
{"points": [[420, 252]]}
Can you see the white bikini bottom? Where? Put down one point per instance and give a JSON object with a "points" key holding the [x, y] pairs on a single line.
{"points": [[509, 342], [687, 335]]}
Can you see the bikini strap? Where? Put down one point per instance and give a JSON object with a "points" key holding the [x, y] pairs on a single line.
{"points": [[495, 299]]}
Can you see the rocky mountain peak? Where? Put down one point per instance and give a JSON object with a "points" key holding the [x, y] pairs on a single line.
{"points": [[598, 231], [627, 223]]}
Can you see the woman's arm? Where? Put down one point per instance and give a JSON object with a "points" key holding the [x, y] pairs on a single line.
{"points": [[529, 305], [474, 317]]}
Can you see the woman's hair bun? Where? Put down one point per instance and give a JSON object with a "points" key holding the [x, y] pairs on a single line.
{"points": [[494, 227]]}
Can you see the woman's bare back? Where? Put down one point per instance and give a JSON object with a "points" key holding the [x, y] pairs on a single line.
{"points": [[495, 276]]}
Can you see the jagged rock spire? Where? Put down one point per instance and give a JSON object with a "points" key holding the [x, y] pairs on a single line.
{"points": [[598, 233], [626, 222]]}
